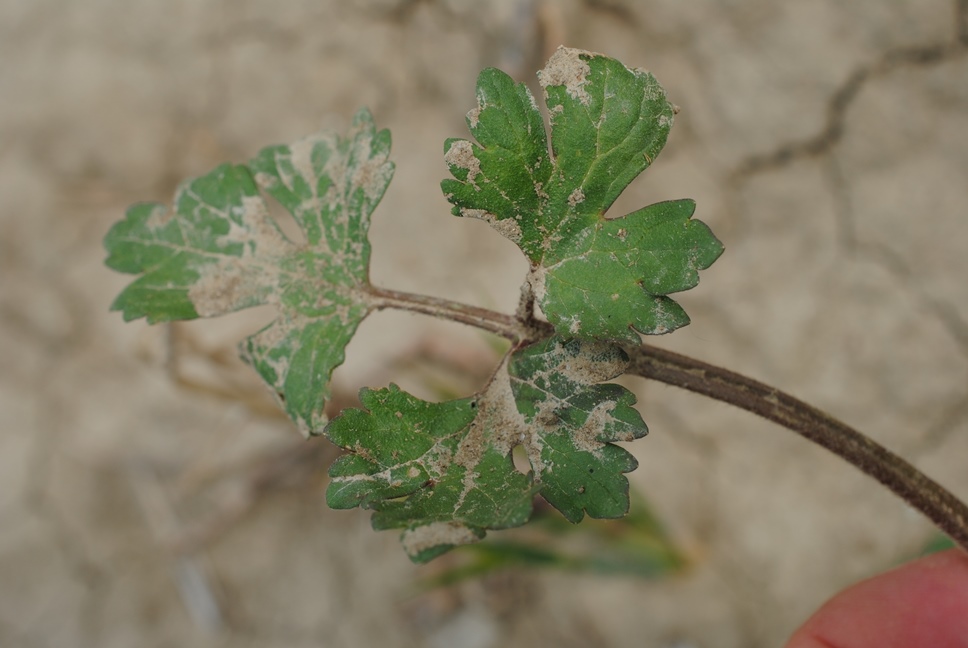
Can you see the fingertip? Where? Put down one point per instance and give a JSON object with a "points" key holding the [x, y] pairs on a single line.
{"points": [[922, 603]]}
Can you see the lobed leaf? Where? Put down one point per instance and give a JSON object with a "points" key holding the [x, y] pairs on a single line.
{"points": [[218, 250], [443, 472], [571, 422], [593, 277]]}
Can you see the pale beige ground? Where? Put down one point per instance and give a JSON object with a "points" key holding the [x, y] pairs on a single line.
{"points": [[825, 141]]}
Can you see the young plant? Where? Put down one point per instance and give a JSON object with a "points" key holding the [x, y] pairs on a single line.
{"points": [[443, 472]]}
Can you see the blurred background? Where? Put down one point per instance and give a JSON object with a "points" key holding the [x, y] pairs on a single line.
{"points": [[151, 494]]}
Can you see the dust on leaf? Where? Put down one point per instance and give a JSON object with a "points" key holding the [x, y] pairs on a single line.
{"points": [[573, 419], [443, 472], [218, 250], [567, 68]]}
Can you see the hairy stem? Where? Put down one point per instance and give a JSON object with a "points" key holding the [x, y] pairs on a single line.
{"points": [[944, 509]]}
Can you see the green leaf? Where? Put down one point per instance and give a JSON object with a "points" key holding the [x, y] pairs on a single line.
{"points": [[593, 277], [444, 472], [218, 250], [427, 468], [571, 421]]}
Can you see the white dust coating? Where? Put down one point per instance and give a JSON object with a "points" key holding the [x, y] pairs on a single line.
{"points": [[233, 282], [566, 68], [474, 116], [281, 332], [595, 362], [461, 155], [574, 324], [221, 288], [576, 197], [434, 462], [373, 174], [436, 534], [499, 422], [258, 226], [370, 173], [498, 426], [301, 158], [159, 217], [271, 337], [587, 436], [507, 227], [665, 320]]}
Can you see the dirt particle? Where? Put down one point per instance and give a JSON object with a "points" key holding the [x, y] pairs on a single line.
{"points": [[507, 227], [474, 116], [566, 67], [576, 197], [461, 155], [436, 534]]}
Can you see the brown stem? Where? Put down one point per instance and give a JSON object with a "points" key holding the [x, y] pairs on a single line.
{"points": [[506, 326], [944, 509], [525, 312]]}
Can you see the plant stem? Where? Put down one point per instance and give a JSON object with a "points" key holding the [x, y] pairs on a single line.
{"points": [[506, 326], [944, 509], [940, 506]]}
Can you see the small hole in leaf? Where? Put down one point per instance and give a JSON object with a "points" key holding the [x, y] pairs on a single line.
{"points": [[591, 470], [520, 458], [285, 220]]}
